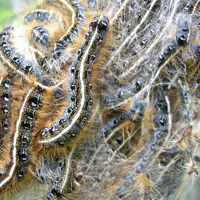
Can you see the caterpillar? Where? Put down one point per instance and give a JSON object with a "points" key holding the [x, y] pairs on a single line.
{"points": [[80, 83]]}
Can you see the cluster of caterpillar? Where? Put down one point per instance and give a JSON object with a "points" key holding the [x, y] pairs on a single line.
{"points": [[100, 100]]}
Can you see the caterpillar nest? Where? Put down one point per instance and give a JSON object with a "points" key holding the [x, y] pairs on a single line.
{"points": [[100, 100]]}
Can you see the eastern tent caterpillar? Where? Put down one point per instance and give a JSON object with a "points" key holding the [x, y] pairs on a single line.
{"points": [[77, 19], [59, 184], [38, 15], [15, 161], [41, 36], [80, 80], [15, 59]]}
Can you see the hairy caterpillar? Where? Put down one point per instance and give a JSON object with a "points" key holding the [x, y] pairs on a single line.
{"points": [[100, 100]]}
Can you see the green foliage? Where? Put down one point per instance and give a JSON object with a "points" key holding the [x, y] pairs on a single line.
{"points": [[6, 12], [5, 16]]}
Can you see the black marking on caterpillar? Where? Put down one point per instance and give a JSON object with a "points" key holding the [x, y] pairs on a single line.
{"points": [[6, 103], [38, 15], [6, 100], [78, 113], [41, 36], [27, 127], [78, 14]]}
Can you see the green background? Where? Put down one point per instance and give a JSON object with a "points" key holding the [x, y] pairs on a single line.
{"points": [[6, 12]]}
